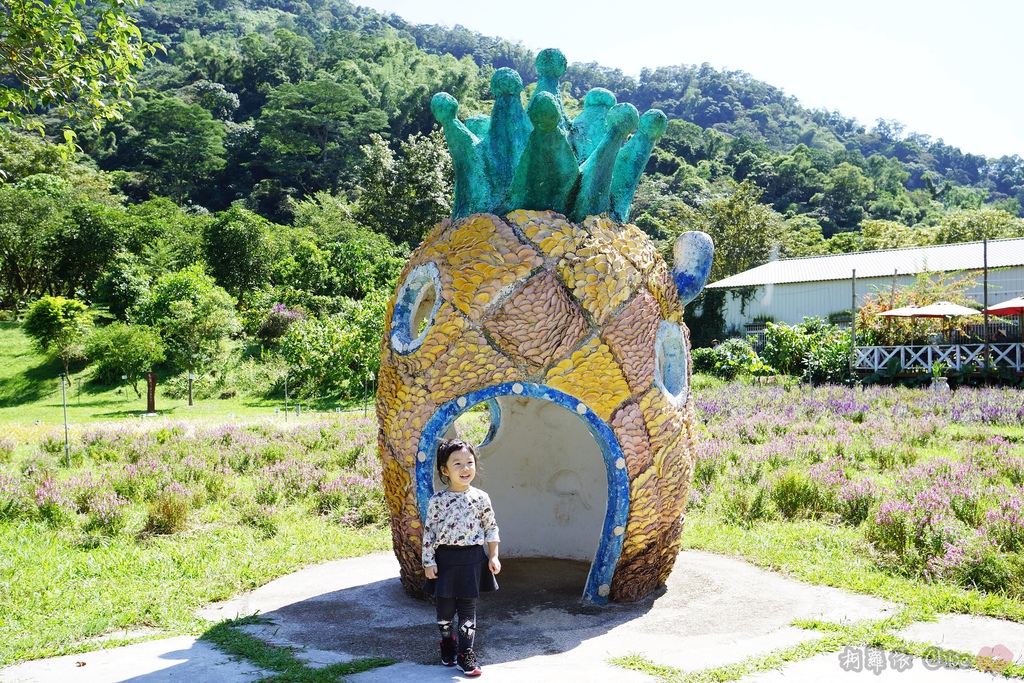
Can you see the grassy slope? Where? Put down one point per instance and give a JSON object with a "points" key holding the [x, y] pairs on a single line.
{"points": [[30, 393]]}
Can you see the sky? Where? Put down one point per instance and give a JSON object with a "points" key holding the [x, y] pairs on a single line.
{"points": [[948, 69]]}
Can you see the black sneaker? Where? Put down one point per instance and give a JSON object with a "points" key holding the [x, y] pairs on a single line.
{"points": [[467, 663], [448, 651]]}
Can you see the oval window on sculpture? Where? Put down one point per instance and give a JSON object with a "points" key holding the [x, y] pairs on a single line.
{"points": [[415, 308], [670, 362]]}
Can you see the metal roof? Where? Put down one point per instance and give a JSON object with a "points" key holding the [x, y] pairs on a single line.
{"points": [[908, 261]]}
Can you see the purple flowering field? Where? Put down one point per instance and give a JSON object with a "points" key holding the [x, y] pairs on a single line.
{"points": [[128, 479], [933, 482]]}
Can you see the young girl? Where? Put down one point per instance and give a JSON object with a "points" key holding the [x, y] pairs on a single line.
{"points": [[460, 521]]}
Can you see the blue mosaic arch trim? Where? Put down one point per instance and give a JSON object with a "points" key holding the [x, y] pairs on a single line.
{"points": [[423, 280], [599, 580]]}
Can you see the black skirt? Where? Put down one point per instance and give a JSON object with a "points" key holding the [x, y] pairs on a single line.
{"points": [[462, 572]]}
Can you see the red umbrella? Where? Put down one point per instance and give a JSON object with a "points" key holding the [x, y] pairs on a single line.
{"points": [[1011, 307]]}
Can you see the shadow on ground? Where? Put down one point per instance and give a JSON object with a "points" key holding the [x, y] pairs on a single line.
{"points": [[537, 610]]}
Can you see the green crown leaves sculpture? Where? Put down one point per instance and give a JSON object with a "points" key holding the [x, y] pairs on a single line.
{"points": [[538, 159]]}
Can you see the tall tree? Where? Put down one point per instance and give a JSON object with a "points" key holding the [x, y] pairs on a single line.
{"points": [[402, 196], [181, 145], [239, 250], [310, 131], [746, 233], [974, 225]]}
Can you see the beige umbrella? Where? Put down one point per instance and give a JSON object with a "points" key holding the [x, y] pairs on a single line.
{"points": [[943, 309], [902, 312]]}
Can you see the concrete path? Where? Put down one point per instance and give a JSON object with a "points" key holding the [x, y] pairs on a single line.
{"points": [[714, 611]]}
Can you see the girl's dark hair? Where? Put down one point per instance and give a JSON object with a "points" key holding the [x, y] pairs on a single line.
{"points": [[445, 450]]}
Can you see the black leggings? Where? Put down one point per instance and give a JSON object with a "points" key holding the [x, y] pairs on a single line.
{"points": [[466, 607]]}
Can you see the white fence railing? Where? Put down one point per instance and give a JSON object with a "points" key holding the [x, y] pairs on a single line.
{"points": [[954, 357]]}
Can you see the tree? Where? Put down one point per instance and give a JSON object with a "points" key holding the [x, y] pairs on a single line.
{"points": [[122, 285], [974, 225], [182, 144], [844, 197], [880, 234], [803, 237], [58, 326], [193, 315], [402, 196], [335, 354], [359, 260], [239, 250], [26, 217], [746, 233], [311, 130], [79, 56], [124, 350]]}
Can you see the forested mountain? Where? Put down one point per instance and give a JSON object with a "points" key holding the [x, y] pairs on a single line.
{"points": [[287, 147]]}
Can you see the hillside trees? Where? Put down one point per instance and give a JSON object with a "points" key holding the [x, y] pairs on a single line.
{"points": [[179, 146], [403, 195], [310, 131], [239, 250]]}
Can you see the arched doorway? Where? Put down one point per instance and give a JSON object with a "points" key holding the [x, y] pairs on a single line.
{"points": [[555, 474]]}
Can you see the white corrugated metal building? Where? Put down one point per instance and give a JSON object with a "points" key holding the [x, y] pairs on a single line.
{"points": [[788, 290]]}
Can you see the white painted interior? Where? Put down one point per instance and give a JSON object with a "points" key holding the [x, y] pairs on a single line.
{"points": [[546, 477]]}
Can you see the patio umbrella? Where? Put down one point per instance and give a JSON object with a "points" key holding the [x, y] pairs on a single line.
{"points": [[902, 312], [1011, 307], [943, 309]]}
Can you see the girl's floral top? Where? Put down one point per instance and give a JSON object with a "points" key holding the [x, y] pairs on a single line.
{"points": [[458, 518]]}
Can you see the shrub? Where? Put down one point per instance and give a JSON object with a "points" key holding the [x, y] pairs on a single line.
{"points": [[277, 322], [7, 447], [13, 502], [259, 517], [829, 356], [106, 513], [124, 350], [704, 360], [290, 480], [168, 511], [855, 501], [795, 494], [1005, 524], [728, 360], [333, 355], [58, 326], [972, 562], [745, 505], [52, 443], [785, 347], [53, 504]]}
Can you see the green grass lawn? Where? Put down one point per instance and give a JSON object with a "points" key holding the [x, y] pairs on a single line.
{"points": [[30, 392]]}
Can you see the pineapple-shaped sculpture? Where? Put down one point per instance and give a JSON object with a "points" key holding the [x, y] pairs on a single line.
{"points": [[537, 300]]}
